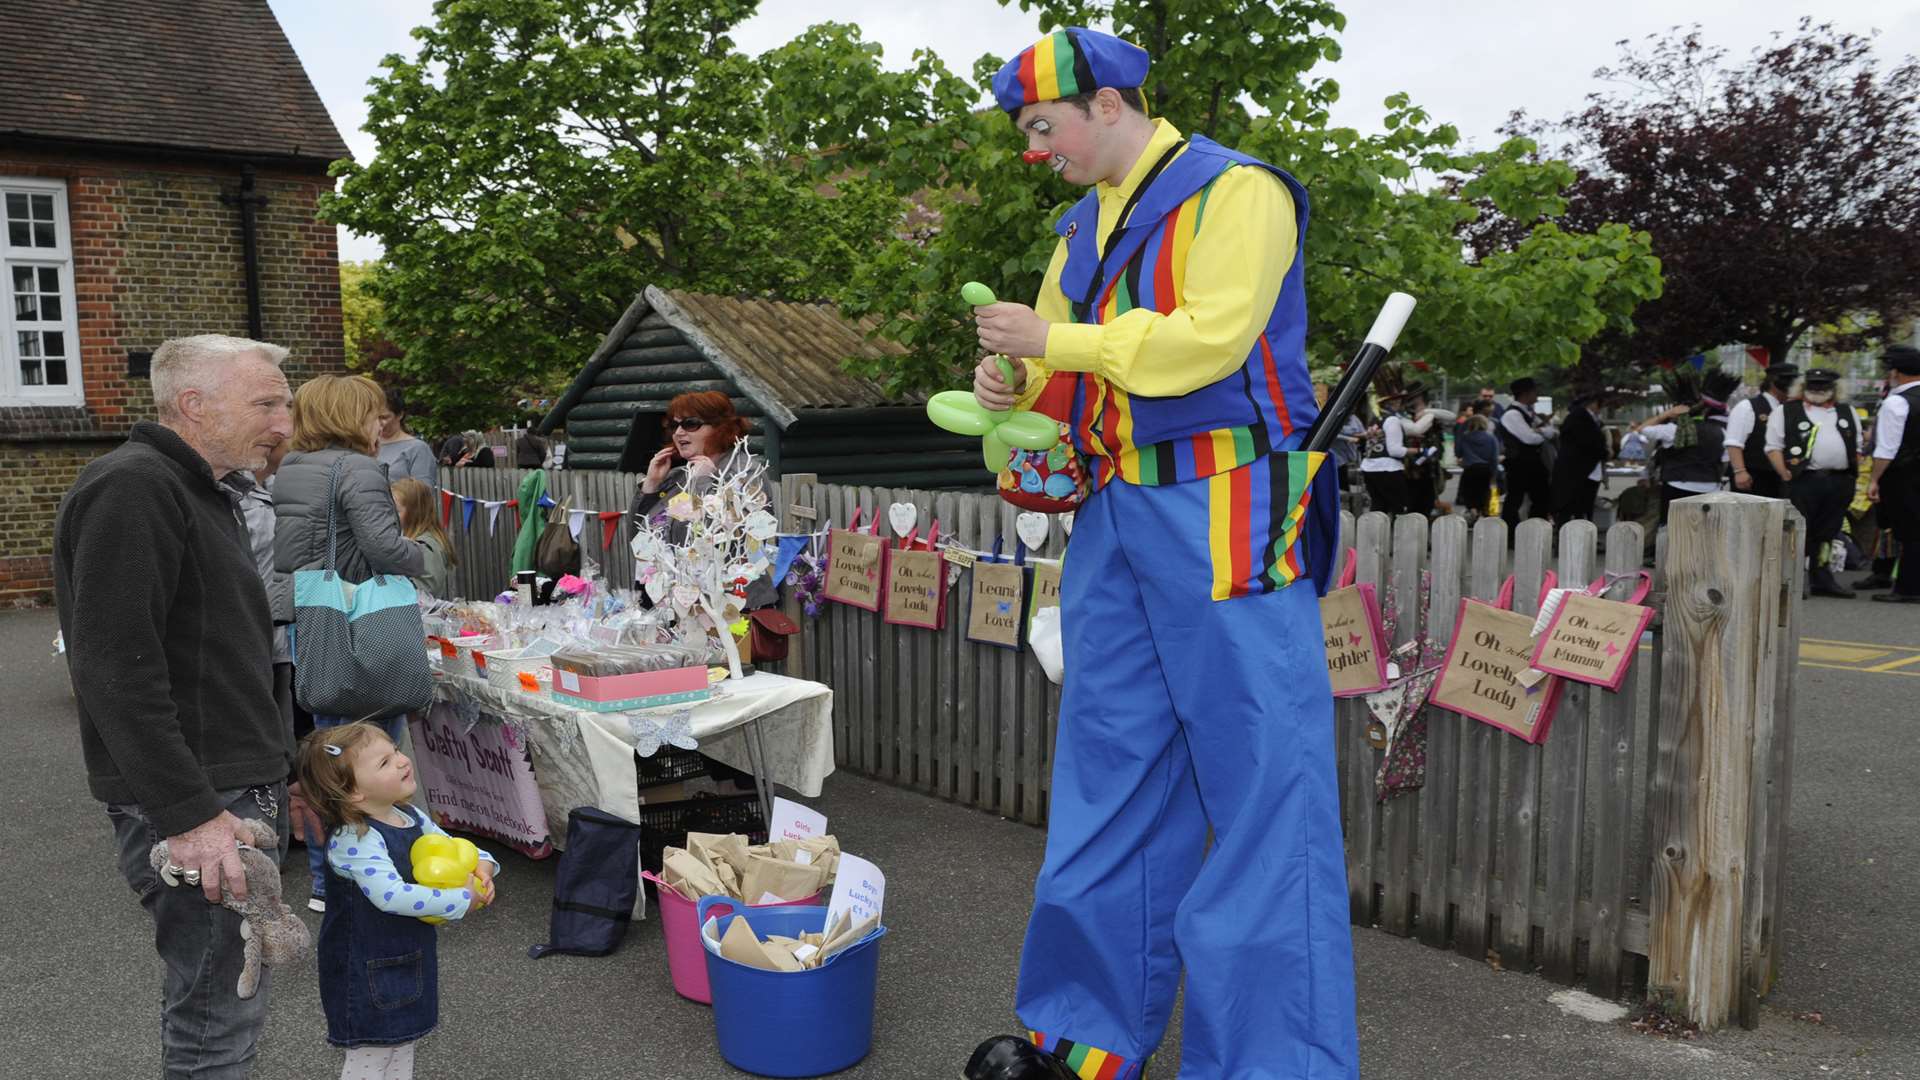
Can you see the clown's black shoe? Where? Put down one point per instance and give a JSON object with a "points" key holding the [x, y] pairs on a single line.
{"points": [[1009, 1057]]}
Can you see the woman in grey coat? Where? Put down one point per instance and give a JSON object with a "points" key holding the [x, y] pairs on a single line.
{"points": [[336, 423]]}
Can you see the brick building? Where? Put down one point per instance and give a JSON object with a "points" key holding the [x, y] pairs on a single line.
{"points": [[159, 167]]}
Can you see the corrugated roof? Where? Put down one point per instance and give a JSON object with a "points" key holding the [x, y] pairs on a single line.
{"points": [[209, 75], [797, 350]]}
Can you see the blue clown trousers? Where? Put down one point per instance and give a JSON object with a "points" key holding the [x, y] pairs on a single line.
{"points": [[1181, 712]]}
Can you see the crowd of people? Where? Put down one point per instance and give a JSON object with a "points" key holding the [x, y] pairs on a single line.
{"points": [[1850, 473]]}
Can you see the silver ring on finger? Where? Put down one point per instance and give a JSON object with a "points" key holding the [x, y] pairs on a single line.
{"points": [[191, 877], [171, 874]]}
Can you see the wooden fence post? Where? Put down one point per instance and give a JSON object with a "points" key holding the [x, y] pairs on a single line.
{"points": [[1725, 565]]}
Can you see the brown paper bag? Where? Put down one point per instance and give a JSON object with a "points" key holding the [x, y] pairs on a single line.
{"points": [[995, 603], [917, 589], [1046, 589], [854, 562], [741, 946], [1592, 640], [1356, 643], [718, 848], [688, 875], [1488, 673], [784, 881]]}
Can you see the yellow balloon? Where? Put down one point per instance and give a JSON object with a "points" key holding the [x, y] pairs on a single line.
{"points": [[431, 844], [438, 872], [956, 411], [466, 855]]}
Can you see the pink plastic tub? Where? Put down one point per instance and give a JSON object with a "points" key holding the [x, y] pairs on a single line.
{"points": [[686, 957]]}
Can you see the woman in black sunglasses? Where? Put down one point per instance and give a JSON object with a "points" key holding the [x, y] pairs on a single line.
{"points": [[703, 435]]}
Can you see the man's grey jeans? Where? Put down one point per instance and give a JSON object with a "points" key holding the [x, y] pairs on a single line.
{"points": [[206, 1031]]}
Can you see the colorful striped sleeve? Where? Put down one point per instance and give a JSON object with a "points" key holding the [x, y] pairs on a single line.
{"points": [[1235, 260]]}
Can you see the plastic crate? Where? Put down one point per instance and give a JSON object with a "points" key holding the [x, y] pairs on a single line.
{"points": [[669, 764], [667, 824]]}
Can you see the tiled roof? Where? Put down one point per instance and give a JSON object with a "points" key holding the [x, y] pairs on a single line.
{"points": [[797, 350], [208, 75]]}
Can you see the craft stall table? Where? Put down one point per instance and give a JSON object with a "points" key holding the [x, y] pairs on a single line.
{"points": [[473, 751]]}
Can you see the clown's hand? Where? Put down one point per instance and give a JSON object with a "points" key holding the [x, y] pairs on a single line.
{"points": [[990, 386], [1011, 329]]}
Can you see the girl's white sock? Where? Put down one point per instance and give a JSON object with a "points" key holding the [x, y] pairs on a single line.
{"points": [[379, 1063]]}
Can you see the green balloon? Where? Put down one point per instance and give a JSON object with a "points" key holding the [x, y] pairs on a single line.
{"points": [[994, 454], [1028, 431], [973, 292], [956, 411]]}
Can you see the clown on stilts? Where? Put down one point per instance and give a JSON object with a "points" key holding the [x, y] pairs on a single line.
{"points": [[1169, 337]]}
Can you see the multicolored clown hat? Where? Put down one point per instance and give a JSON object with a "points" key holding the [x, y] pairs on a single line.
{"points": [[1069, 62]]}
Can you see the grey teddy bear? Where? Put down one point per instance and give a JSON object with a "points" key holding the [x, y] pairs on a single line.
{"points": [[274, 935]]}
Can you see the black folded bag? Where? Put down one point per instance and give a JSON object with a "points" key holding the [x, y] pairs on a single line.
{"points": [[596, 887]]}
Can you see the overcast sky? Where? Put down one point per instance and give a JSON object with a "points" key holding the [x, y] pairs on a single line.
{"points": [[1468, 62]]}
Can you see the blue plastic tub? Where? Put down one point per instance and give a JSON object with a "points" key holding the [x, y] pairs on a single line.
{"points": [[792, 1023]]}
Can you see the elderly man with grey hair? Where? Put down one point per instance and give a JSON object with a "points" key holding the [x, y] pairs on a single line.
{"points": [[170, 640]]}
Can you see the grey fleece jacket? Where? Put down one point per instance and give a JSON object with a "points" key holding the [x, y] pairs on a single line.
{"points": [[370, 541]]}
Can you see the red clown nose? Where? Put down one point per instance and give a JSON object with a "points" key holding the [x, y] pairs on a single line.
{"points": [[1037, 157]]}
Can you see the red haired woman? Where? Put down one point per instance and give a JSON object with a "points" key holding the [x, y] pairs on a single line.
{"points": [[704, 435]]}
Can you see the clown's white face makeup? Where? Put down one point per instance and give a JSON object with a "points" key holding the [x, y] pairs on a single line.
{"points": [[1088, 147]]}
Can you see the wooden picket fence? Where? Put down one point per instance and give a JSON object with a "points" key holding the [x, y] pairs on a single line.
{"points": [[1596, 857]]}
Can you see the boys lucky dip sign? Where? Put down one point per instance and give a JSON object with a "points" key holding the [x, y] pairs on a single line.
{"points": [[1488, 673]]}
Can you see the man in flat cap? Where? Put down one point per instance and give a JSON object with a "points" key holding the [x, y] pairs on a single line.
{"points": [[1747, 434], [1168, 337]]}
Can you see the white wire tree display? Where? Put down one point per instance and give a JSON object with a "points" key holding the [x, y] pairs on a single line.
{"points": [[702, 580]]}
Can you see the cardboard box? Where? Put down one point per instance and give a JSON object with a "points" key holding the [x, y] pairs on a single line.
{"points": [[641, 684]]}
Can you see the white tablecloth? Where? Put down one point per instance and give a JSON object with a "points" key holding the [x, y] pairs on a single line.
{"points": [[584, 758]]}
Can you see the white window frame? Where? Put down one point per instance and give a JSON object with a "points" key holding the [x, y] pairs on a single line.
{"points": [[60, 256]]}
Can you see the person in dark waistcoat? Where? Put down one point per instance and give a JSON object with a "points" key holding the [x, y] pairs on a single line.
{"points": [[379, 969], [1580, 466], [1523, 438], [1895, 483], [1691, 439], [1747, 434], [1813, 447]]}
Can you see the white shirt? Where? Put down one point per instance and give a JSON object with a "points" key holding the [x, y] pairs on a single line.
{"points": [[1891, 424], [1659, 435], [1392, 430], [1829, 447], [1740, 421], [1514, 420]]}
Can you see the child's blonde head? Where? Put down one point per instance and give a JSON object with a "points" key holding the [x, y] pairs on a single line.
{"points": [[324, 768]]}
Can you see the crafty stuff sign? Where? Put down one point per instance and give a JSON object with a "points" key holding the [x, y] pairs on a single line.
{"points": [[1356, 643], [477, 777], [1592, 640], [853, 568], [1488, 673]]}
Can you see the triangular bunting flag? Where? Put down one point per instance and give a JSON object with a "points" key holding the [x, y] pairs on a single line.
{"points": [[546, 502], [493, 515], [609, 524], [515, 503], [576, 520], [1699, 361], [466, 513], [446, 507], [1760, 354]]}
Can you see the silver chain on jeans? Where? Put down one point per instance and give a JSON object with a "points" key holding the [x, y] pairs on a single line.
{"points": [[263, 798]]}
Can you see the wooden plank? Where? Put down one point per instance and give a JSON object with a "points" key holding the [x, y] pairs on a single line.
{"points": [[924, 676], [946, 745], [1363, 821], [1765, 859], [984, 718], [1007, 691], [1397, 816], [1723, 603], [1613, 738], [1563, 804], [888, 642], [1478, 812], [1341, 708], [1438, 797], [1520, 803]]}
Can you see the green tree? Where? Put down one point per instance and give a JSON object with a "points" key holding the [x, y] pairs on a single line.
{"points": [[362, 316], [542, 160]]}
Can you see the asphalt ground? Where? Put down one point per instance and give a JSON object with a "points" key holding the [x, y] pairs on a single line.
{"points": [[80, 994]]}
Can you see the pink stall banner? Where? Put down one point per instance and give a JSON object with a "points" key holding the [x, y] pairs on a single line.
{"points": [[478, 780]]}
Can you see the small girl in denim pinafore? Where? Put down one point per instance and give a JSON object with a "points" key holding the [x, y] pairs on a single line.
{"points": [[379, 976]]}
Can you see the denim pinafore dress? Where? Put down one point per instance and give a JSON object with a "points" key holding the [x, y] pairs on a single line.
{"points": [[379, 974]]}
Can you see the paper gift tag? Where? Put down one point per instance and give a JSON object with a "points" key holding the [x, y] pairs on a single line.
{"points": [[1356, 646], [853, 569], [795, 822], [859, 891], [995, 604], [1046, 589], [1032, 529], [917, 589], [1066, 523], [903, 517]]}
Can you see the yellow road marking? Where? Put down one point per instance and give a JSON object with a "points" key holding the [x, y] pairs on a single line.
{"points": [[1844, 667], [1900, 663], [1841, 654], [1857, 644]]}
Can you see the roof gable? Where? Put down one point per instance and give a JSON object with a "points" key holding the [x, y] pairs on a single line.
{"points": [[200, 75]]}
